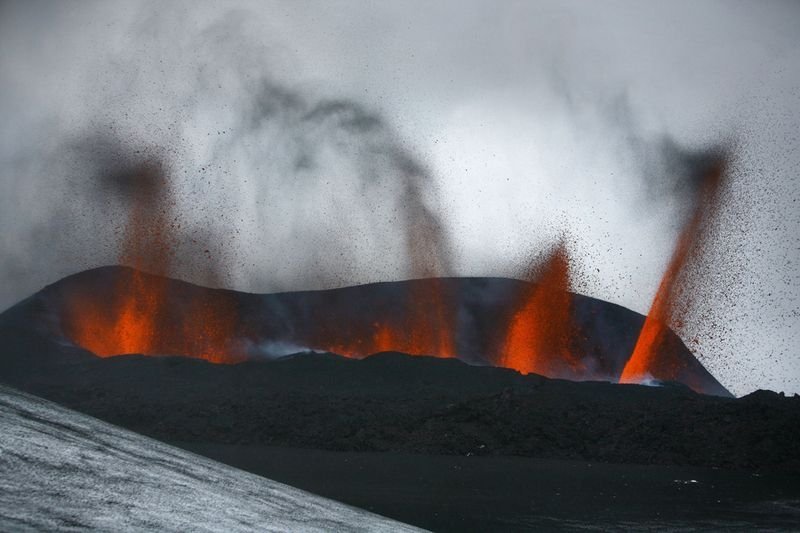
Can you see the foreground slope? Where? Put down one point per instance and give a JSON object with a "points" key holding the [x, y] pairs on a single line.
{"points": [[63, 470], [401, 403]]}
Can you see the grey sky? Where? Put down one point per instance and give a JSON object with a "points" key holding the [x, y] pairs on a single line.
{"points": [[523, 120]]}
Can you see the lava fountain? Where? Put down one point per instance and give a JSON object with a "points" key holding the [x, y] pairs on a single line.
{"points": [[426, 325], [653, 357], [540, 331], [140, 314], [421, 321]]}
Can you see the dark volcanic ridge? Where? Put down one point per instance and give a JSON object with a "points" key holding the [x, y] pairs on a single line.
{"points": [[465, 318], [391, 401]]}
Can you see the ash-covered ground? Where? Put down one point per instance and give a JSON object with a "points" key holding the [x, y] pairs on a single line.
{"points": [[65, 471], [401, 403], [386, 431], [451, 447]]}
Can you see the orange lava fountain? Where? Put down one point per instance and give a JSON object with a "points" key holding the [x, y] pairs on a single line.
{"points": [[651, 357], [424, 319], [140, 316], [539, 335]]}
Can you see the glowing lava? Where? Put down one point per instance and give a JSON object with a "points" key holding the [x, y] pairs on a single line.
{"points": [[653, 357], [423, 324], [141, 315], [539, 334], [144, 312]]}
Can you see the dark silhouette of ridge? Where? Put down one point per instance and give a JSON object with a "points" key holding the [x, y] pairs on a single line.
{"points": [[274, 325], [390, 402]]}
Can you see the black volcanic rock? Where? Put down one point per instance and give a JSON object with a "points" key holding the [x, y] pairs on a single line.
{"points": [[394, 402], [310, 320], [389, 401]]}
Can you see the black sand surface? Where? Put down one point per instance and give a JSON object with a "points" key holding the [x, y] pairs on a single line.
{"points": [[460, 493], [401, 403]]}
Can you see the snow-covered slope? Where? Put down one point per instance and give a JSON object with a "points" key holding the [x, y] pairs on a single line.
{"points": [[61, 470]]}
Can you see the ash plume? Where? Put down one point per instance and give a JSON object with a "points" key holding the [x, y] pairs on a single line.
{"points": [[328, 134], [319, 145], [294, 189]]}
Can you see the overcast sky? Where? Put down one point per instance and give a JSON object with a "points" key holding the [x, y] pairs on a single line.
{"points": [[511, 122]]}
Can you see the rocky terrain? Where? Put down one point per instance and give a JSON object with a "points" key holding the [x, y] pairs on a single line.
{"points": [[395, 402], [65, 471], [441, 443]]}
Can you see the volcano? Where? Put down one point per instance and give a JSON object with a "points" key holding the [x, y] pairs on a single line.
{"points": [[113, 311], [286, 386]]}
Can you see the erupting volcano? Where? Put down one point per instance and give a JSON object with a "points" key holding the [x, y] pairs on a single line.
{"points": [[410, 256], [535, 327]]}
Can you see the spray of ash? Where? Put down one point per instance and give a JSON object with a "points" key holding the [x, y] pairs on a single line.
{"points": [[288, 184], [338, 137], [318, 188], [285, 184], [293, 189]]}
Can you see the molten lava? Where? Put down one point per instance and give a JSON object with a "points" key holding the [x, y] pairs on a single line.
{"points": [[540, 332], [420, 322], [144, 312], [126, 323], [423, 324], [652, 356], [140, 314]]}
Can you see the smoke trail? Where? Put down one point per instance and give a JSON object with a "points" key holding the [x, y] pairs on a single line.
{"points": [[336, 135], [266, 184]]}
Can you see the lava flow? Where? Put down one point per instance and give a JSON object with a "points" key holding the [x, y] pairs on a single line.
{"points": [[422, 323], [427, 326], [540, 331], [423, 320], [141, 314], [652, 356]]}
